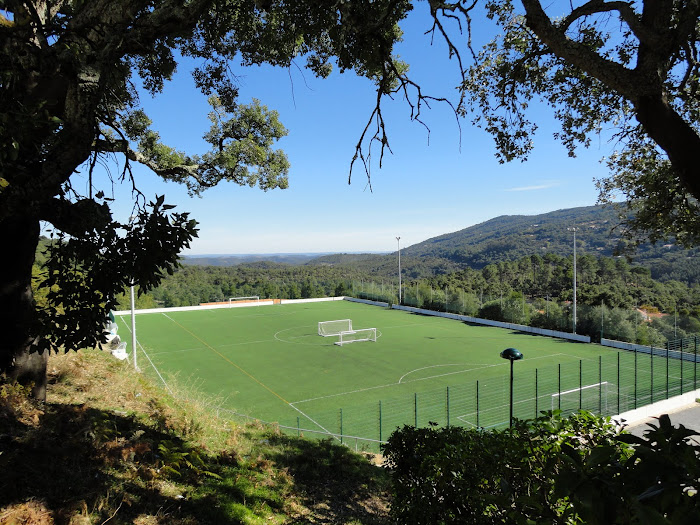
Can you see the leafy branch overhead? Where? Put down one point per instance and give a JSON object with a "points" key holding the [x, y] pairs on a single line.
{"points": [[241, 149], [70, 77], [626, 69]]}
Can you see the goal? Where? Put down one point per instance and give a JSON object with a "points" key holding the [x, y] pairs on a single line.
{"points": [[592, 397], [328, 328], [355, 336], [249, 299]]}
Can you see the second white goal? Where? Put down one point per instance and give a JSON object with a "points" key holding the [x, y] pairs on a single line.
{"points": [[355, 336], [244, 300]]}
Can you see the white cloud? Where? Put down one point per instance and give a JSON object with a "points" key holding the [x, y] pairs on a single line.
{"points": [[544, 186]]}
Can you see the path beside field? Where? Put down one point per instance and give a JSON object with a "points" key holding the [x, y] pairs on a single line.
{"points": [[688, 416]]}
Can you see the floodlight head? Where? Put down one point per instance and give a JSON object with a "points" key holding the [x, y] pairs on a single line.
{"points": [[512, 354]]}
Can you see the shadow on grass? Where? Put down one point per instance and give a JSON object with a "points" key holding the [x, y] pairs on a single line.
{"points": [[83, 461], [338, 484]]}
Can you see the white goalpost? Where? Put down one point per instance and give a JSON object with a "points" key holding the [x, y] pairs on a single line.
{"points": [[585, 397], [248, 299], [355, 336], [329, 328]]}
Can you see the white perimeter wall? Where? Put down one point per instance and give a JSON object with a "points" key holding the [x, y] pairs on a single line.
{"points": [[661, 352], [660, 407], [266, 302], [366, 301]]}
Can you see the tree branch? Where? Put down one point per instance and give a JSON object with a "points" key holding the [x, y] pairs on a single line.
{"points": [[625, 81]]}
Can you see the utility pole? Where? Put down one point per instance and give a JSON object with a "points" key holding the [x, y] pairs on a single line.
{"points": [[398, 244], [574, 230], [133, 327]]}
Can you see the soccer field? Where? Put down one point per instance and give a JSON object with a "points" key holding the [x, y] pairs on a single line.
{"points": [[269, 362]]}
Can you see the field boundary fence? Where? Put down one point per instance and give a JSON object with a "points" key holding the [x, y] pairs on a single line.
{"points": [[611, 385], [617, 385]]}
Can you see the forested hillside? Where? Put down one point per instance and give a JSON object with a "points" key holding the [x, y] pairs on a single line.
{"points": [[511, 237]]}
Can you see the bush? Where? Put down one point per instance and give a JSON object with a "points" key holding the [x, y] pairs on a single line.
{"points": [[548, 470]]}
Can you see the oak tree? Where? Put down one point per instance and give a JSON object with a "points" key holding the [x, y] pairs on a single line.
{"points": [[71, 72], [629, 69]]}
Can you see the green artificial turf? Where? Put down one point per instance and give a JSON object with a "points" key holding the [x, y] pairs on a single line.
{"points": [[269, 363]]}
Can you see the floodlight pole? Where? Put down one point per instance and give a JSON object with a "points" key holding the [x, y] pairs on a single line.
{"points": [[398, 244], [574, 230], [133, 327], [511, 354]]}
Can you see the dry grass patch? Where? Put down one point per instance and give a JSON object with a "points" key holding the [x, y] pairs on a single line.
{"points": [[111, 446]]}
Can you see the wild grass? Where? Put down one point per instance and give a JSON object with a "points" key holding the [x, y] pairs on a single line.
{"points": [[110, 446]]}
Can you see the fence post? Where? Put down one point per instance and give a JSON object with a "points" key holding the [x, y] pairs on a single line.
{"points": [[695, 365], [447, 406], [651, 363], [477, 403], [580, 384], [536, 395], [415, 408], [682, 361], [559, 388], [667, 353], [380, 420], [600, 385], [635, 378], [618, 382]]}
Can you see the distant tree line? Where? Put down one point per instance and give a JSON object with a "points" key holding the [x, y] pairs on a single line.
{"points": [[615, 299]]}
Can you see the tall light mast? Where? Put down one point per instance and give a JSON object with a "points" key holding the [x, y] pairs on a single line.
{"points": [[398, 244]]}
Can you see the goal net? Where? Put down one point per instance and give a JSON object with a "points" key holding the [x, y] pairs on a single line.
{"points": [[354, 336], [592, 397], [328, 328], [248, 299]]}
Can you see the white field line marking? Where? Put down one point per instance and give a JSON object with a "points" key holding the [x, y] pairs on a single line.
{"points": [[310, 335], [227, 345], [319, 425], [346, 393], [231, 362], [460, 371], [143, 351], [478, 367], [392, 384]]}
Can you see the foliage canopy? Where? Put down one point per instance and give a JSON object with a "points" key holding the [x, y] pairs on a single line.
{"points": [[69, 75]]}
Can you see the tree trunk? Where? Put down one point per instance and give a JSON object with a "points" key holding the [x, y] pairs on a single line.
{"points": [[675, 136], [17, 312]]}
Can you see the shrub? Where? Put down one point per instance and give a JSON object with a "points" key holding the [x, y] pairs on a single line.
{"points": [[547, 470]]}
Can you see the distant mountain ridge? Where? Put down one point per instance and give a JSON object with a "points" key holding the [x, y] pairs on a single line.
{"points": [[504, 238], [233, 260], [510, 237]]}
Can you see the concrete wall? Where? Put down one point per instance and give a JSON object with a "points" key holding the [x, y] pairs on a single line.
{"points": [[367, 301], [660, 407], [264, 302], [661, 352]]}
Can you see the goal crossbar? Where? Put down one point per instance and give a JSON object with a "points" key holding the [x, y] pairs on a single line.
{"points": [[250, 298], [355, 336]]}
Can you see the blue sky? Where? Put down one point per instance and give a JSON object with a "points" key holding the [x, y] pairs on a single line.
{"points": [[432, 184]]}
